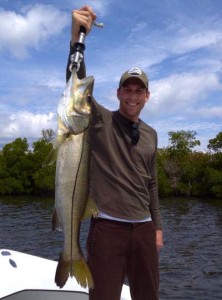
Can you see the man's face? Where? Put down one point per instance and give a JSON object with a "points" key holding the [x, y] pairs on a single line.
{"points": [[132, 96]]}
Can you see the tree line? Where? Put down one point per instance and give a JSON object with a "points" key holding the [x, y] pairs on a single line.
{"points": [[182, 171]]}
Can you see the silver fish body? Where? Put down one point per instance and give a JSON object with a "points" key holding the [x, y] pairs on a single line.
{"points": [[72, 203]]}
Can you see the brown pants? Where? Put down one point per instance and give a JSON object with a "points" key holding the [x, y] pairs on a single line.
{"points": [[116, 249]]}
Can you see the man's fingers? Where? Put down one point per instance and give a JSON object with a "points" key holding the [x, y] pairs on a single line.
{"points": [[82, 17]]}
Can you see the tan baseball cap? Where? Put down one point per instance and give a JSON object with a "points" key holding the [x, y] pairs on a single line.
{"points": [[134, 73]]}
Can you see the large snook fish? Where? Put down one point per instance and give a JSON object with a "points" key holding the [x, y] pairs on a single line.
{"points": [[72, 203]]}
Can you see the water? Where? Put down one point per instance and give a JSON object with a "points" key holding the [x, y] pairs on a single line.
{"points": [[190, 262]]}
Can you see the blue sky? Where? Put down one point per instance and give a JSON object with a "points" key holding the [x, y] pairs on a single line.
{"points": [[177, 42]]}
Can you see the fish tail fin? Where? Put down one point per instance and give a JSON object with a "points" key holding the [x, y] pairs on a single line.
{"points": [[77, 268], [91, 209], [62, 271], [82, 273]]}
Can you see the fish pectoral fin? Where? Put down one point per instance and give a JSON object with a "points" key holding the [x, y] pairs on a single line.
{"points": [[91, 209], [81, 272], [51, 158], [60, 139]]}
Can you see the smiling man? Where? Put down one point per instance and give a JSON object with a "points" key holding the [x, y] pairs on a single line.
{"points": [[125, 237], [133, 93]]}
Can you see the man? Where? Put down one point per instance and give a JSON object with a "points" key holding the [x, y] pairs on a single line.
{"points": [[125, 238]]}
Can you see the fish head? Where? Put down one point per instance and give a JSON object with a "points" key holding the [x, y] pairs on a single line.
{"points": [[74, 108], [79, 106], [80, 93]]}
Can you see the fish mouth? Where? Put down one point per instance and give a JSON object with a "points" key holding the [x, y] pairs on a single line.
{"points": [[82, 111], [79, 113]]}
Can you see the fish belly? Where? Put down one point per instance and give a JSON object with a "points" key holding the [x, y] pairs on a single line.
{"points": [[72, 188]]}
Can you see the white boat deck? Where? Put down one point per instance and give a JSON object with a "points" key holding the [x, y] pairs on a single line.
{"points": [[24, 277]]}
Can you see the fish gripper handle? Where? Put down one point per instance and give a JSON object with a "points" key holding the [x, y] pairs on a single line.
{"points": [[79, 47]]}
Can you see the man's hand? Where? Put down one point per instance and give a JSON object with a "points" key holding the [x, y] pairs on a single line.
{"points": [[159, 239], [81, 17]]}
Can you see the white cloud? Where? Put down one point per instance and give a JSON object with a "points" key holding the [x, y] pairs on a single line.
{"points": [[210, 112], [21, 31], [27, 124], [191, 41], [177, 92]]}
